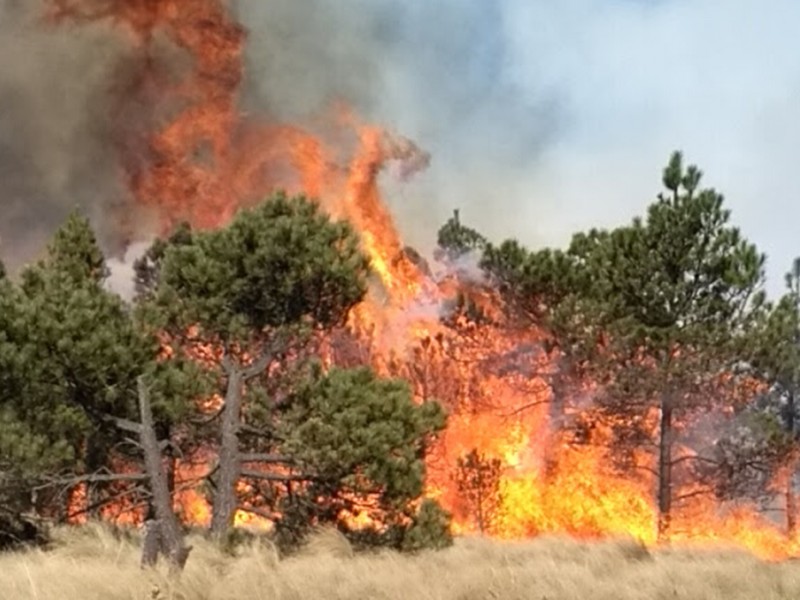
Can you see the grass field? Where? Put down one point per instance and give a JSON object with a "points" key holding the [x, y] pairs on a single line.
{"points": [[91, 564]]}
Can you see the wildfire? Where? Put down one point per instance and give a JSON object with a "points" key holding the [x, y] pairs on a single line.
{"points": [[201, 159]]}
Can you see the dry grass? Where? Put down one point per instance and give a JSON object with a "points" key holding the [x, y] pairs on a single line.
{"points": [[91, 564]]}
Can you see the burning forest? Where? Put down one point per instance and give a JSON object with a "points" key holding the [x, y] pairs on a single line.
{"points": [[637, 384]]}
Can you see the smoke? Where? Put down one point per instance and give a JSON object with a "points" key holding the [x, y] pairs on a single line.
{"points": [[545, 118], [431, 71], [55, 130], [541, 118]]}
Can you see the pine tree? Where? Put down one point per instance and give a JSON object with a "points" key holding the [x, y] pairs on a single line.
{"points": [[72, 355], [663, 301], [478, 480], [357, 444], [259, 290], [455, 240]]}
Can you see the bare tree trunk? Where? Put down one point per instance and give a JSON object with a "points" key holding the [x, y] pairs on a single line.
{"points": [[479, 507], [555, 426], [230, 465], [165, 534], [152, 543], [791, 505], [665, 468], [791, 469], [94, 463]]}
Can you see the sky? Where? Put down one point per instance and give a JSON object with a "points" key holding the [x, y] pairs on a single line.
{"points": [[544, 118]]}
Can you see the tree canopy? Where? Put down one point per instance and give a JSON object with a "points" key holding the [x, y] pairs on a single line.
{"points": [[70, 355], [283, 263], [73, 356]]}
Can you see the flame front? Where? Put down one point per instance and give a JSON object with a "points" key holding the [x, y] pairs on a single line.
{"points": [[201, 159]]}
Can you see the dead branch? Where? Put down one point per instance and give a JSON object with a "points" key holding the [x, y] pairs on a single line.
{"points": [[694, 494], [110, 500], [126, 425], [274, 476], [266, 458], [527, 406], [92, 478], [698, 458]]}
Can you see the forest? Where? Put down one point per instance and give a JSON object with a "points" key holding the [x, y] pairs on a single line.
{"points": [[241, 388]]}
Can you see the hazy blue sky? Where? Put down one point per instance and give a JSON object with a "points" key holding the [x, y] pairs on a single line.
{"points": [[545, 117]]}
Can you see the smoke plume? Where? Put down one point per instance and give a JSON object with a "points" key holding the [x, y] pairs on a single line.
{"points": [[545, 118], [541, 118], [54, 127], [432, 71]]}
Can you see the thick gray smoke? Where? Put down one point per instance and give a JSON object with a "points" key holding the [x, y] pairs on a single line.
{"points": [[55, 129]]}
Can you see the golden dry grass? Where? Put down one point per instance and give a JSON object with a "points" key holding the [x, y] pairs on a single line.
{"points": [[91, 564]]}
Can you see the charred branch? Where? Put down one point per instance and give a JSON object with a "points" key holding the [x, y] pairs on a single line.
{"points": [[703, 459], [527, 406], [115, 498], [693, 494], [266, 434]]}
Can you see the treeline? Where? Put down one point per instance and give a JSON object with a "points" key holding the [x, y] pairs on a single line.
{"points": [[694, 371], [104, 396], [666, 317]]}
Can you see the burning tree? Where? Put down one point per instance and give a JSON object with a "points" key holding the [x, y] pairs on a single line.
{"points": [[260, 291], [658, 306], [295, 444], [644, 328], [544, 359], [478, 479], [256, 289], [357, 444], [771, 448]]}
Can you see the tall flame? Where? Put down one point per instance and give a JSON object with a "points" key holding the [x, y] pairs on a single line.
{"points": [[200, 159]]}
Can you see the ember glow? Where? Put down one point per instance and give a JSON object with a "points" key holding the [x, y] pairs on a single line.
{"points": [[202, 159]]}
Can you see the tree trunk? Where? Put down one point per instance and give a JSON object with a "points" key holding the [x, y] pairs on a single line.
{"points": [[230, 466], [791, 503], [665, 469], [481, 520], [165, 534], [791, 468], [555, 429], [95, 461]]}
